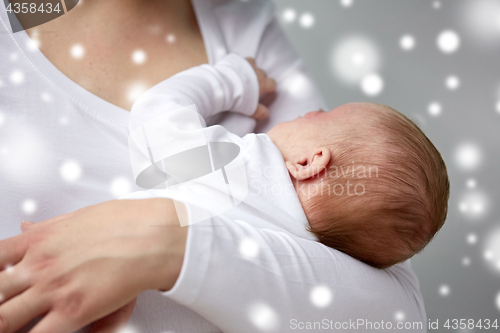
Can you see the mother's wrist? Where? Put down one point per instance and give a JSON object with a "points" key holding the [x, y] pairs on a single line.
{"points": [[168, 242], [174, 259]]}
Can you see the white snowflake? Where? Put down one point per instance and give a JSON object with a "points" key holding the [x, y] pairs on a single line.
{"points": [[299, 86], [399, 316], [63, 120], [448, 41], [492, 250], [434, 109], [220, 52], [120, 186], [471, 183], [471, 239], [249, 247], [372, 84], [306, 20], [16, 77], [170, 38], [28, 154], [139, 57], [452, 82], [46, 97], [468, 156], [33, 44], [321, 296], [289, 15], [346, 3], [444, 290], [71, 171], [9, 269], [407, 42], [473, 204], [29, 206], [466, 261], [354, 58], [127, 329], [482, 19], [135, 90], [77, 51], [263, 317]]}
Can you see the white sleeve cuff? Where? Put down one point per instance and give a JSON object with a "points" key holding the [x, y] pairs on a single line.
{"points": [[245, 85], [194, 267]]}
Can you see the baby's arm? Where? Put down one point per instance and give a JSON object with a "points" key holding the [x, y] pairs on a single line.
{"points": [[233, 84], [169, 119]]}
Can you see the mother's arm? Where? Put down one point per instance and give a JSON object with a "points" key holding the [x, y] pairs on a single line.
{"points": [[245, 279], [79, 267]]}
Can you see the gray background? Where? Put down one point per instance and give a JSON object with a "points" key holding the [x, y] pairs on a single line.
{"points": [[412, 80]]}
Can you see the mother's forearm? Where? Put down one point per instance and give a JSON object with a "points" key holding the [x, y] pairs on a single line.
{"points": [[162, 217]]}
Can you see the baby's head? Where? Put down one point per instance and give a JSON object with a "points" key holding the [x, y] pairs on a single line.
{"points": [[371, 183]]}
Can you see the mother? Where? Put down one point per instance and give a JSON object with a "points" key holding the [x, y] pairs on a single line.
{"points": [[63, 140]]}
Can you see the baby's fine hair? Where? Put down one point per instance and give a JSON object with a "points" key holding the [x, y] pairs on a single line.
{"points": [[402, 195]]}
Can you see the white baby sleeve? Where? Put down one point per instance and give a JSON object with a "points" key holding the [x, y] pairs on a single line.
{"points": [[247, 279], [231, 84]]}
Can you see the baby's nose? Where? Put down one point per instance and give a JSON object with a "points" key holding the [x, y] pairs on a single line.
{"points": [[313, 114]]}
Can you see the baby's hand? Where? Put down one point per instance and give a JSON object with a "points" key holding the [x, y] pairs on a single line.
{"points": [[266, 86]]}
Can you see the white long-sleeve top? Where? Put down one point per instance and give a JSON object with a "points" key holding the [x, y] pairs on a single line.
{"points": [[296, 281], [63, 148]]}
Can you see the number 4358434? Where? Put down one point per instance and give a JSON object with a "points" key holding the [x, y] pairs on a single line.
{"points": [[482, 324], [27, 7]]}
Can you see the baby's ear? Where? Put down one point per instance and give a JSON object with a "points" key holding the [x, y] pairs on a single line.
{"points": [[311, 166]]}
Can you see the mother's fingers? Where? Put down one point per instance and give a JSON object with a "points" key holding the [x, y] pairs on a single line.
{"points": [[26, 225], [12, 282], [18, 311], [54, 322], [12, 250]]}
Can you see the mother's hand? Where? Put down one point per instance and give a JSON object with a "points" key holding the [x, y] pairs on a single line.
{"points": [[82, 266]]}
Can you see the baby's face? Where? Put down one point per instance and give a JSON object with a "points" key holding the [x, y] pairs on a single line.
{"points": [[314, 128]]}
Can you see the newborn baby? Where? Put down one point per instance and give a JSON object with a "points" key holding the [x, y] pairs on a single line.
{"points": [[370, 183]]}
